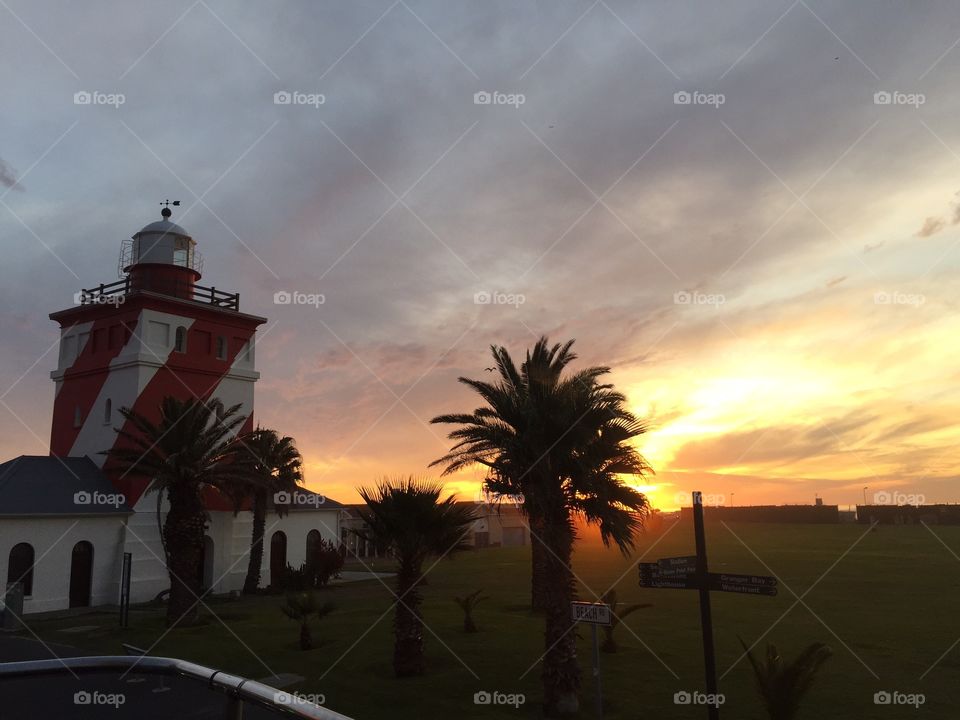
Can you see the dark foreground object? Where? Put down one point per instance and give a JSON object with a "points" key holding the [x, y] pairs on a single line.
{"points": [[144, 688]]}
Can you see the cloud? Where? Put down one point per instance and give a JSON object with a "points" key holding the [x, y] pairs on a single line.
{"points": [[931, 226], [8, 177]]}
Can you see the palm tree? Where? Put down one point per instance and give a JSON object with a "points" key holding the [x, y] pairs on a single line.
{"points": [[190, 448], [407, 517], [275, 466], [468, 604], [562, 442], [618, 615], [300, 607], [782, 685]]}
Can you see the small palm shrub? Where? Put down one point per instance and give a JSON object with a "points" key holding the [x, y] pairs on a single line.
{"points": [[300, 607], [467, 604], [617, 615], [781, 684]]}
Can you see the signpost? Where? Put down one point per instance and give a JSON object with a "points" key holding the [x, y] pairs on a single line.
{"points": [[691, 573], [125, 590], [595, 615]]}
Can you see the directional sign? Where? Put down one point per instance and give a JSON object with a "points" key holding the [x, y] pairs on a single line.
{"points": [[762, 580], [679, 583], [687, 561], [652, 570], [591, 613], [717, 584]]}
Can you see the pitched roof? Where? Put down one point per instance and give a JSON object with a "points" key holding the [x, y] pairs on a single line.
{"points": [[32, 485]]}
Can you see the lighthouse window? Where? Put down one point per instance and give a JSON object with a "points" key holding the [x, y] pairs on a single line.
{"points": [[181, 253], [77, 417], [221, 347], [180, 340], [107, 411]]}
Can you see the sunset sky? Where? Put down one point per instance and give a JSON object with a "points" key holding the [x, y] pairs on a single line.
{"points": [[770, 269]]}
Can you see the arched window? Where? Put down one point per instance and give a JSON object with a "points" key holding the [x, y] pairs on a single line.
{"points": [[278, 556], [20, 567], [107, 411], [180, 340], [81, 574], [313, 544]]}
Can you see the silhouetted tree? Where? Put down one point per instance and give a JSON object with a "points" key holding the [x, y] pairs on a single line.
{"points": [[562, 443], [407, 517]]}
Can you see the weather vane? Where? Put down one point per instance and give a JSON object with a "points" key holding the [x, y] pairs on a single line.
{"points": [[166, 212]]}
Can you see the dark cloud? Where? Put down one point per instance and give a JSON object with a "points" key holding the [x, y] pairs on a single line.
{"points": [[8, 176]]}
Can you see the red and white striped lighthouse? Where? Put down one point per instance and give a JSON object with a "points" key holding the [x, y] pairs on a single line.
{"points": [[154, 333]]}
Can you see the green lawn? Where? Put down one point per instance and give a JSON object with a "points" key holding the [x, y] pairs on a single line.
{"points": [[887, 607]]}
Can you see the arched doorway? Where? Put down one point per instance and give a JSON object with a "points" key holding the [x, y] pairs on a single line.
{"points": [[278, 556], [81, 574], [20, 567], [206, 564], [313, 544]]}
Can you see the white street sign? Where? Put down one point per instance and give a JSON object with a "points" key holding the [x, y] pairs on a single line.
{"points": [[592, 613]]}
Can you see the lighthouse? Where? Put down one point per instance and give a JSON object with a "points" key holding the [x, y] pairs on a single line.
{"points": [[68, 520], [156, 332]]}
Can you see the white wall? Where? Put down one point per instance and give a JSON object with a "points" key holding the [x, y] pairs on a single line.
{"points": [[296, 525], [53, 540]]}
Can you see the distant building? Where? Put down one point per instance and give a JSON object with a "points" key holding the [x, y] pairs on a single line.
{"points": [[909, 514], [68, 518], [818, 513], [496, 525], [499, 525]]}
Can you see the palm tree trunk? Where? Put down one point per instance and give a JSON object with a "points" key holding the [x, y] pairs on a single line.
{"points": [[252, 582], [408, 657], [306, 641], [183, 534], [538, 569], [561, 673]]}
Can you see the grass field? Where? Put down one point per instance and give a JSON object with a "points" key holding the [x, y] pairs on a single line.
{"points": [[885, 601]]}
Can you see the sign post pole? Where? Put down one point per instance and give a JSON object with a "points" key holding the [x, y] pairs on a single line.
{"points": [[706, 619], [596, 671], [594, 614], [125, 590]]}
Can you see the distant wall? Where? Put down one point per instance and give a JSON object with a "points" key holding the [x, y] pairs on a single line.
{"points": [[909, 514], [769, 513]]}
